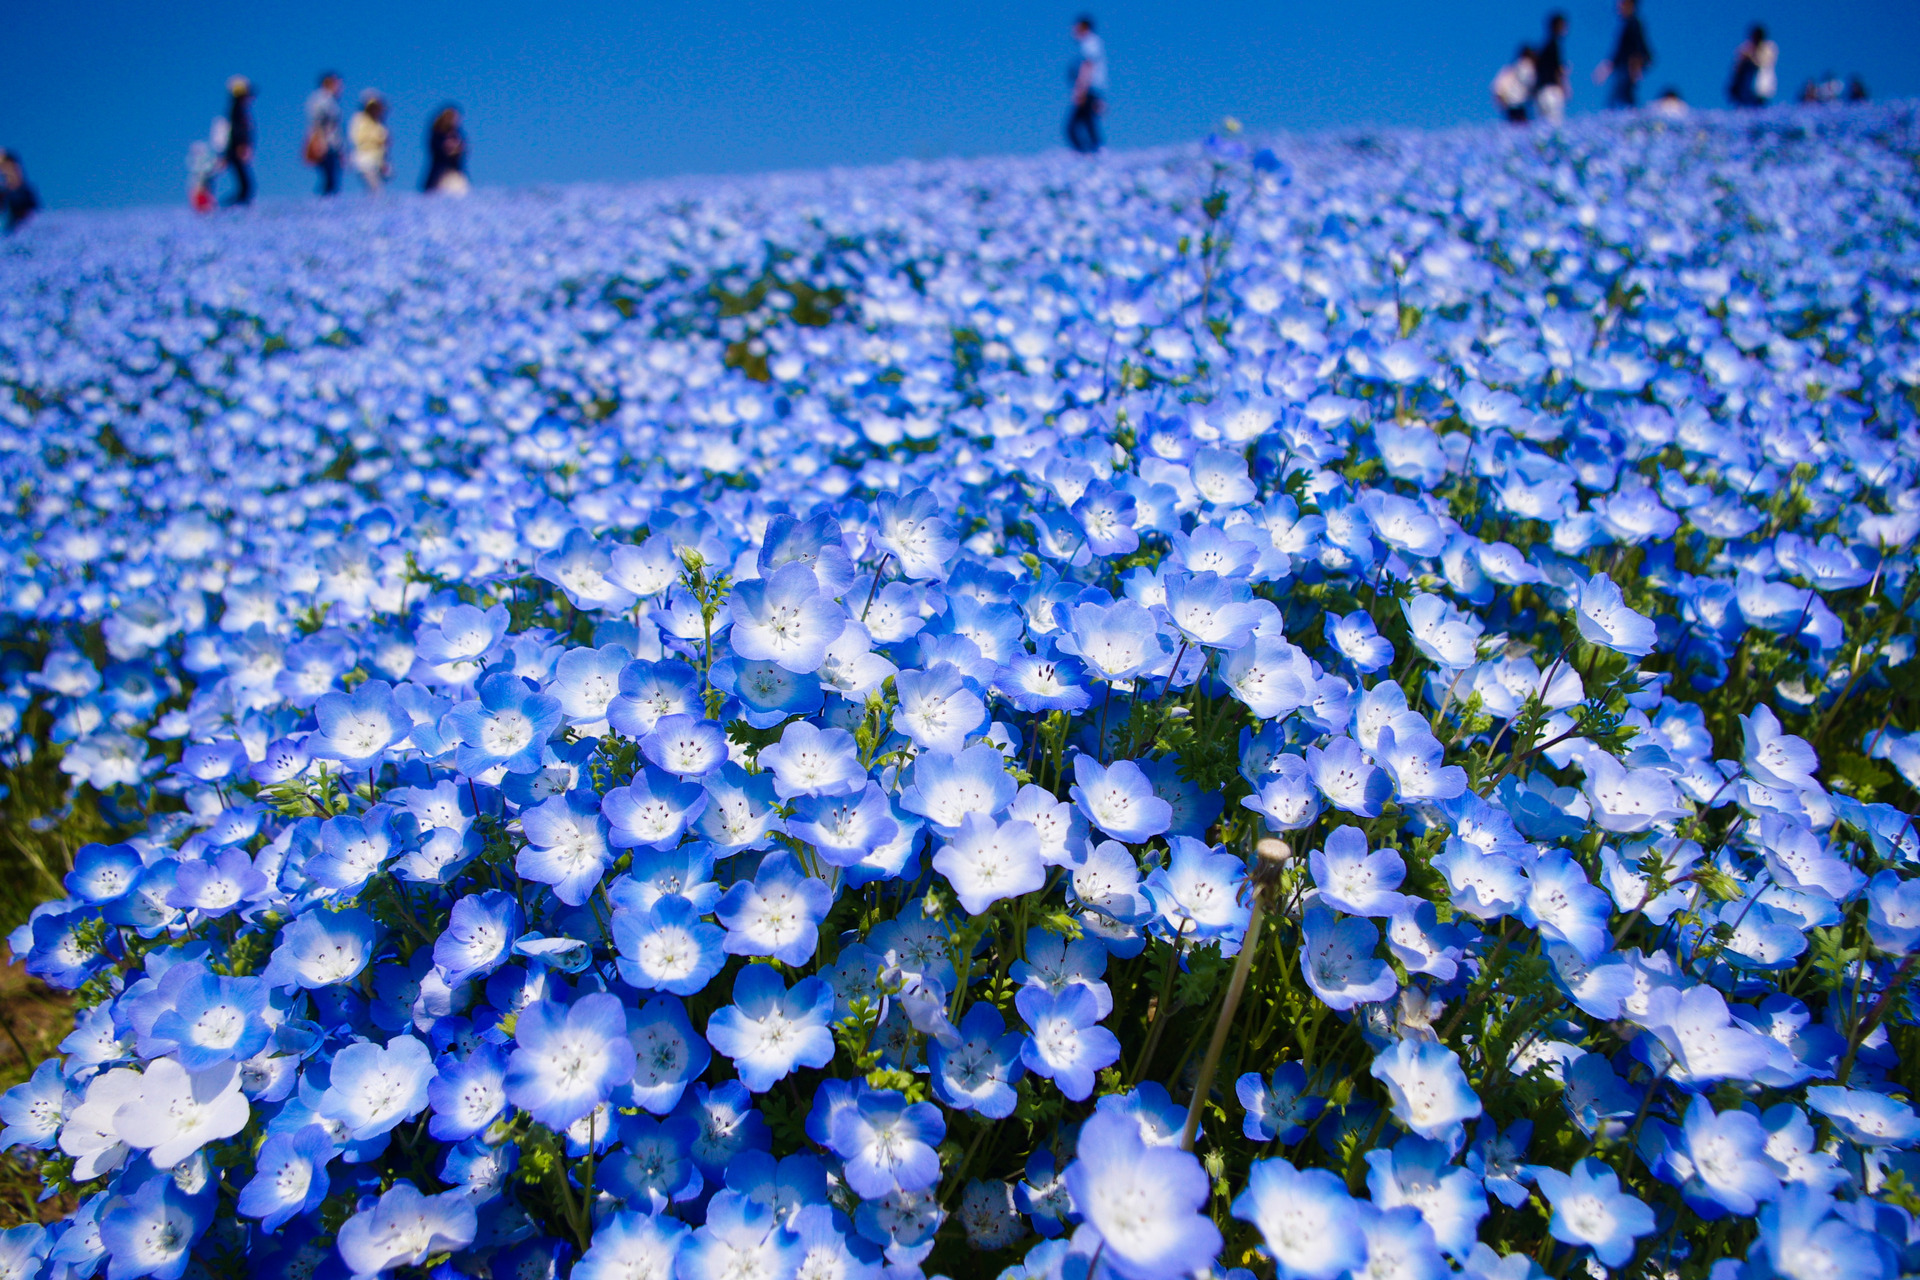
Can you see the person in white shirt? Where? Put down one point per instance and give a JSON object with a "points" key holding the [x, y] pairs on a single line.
{"points": [[1089, 89]]}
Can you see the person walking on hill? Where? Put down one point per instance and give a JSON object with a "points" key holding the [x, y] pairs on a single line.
{"points": [[1632, 55], [447, 155], [372, 142], [1755, 79], [238, 151], [323, 144], [17, 197], [1550, 89], [1513, 86], [1089, 89]]}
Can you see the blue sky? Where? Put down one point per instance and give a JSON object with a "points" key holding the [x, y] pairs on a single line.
{"points": [[102, 97]]}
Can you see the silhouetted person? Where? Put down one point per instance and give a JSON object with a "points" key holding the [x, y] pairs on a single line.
{"points": [[1754, 78], [372, 142], [238, 152], [447, 155], [1632, 55], [1513, 86], [323, 149], [18, 194], [1550, 90], [1089, 89], [1856, 89]]}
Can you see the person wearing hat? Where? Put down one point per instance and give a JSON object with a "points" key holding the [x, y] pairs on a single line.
{"points": [[239, 151]]}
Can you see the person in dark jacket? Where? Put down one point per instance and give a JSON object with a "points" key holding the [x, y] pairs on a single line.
{"points": [[1550, 88], [1632, 55], [239, 150], [17, 197], [447, 155]]}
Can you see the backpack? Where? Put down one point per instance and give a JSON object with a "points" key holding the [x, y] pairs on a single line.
{"points": [[316, 149]]}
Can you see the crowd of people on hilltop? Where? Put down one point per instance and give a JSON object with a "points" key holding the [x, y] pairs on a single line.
{"points": [[1536, 84], [333, 143]]}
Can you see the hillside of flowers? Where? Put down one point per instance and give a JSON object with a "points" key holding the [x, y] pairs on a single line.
{"points": [[1344, 707]]}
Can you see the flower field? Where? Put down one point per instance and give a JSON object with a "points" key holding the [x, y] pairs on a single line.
{"points": [[1346, 708]]}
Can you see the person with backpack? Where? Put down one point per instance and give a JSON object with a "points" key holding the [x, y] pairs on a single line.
{"points": [[1550, 89], [238, 151], [1513, 86], [322, 149], [1755, 78]]}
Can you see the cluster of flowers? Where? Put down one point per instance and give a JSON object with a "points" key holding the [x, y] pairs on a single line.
{"points": [[1344, 713]]}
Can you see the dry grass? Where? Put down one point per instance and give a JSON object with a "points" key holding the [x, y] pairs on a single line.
{"points": [[34, 1019]]}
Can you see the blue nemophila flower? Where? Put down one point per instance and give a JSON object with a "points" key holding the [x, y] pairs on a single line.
{"points": [[468, 1093], [978, 1073], [667, 947], [290, 1176], [947, 787], [1430, 1091], [768, 693], [103, 872], [987, 862], [1196, 895], [1338, 960], [844, 830], [35, 1109], [1143, 1202], [1119, 799], [628, 1245], [567, 845], [810, 761], [1444, 636], [684, 746], [1106, 518], [685, 871], [652, 810], [479, 935], [1215, 612], [939, 708], [1360, 643], [738, 812], [1867, 1118], [785, 618], [1116, 641], [405, 1228], [1278, 1108], [320, 949], [651, 690], [353, 849], [1347, 779], [1604, 619], [668, 1054], [740, 1237], [777, 913], [586, 681], [1420, 1172], [507, 724], [1065, 1042], [1718, 1160], [887, 1143], [218, 887], [1591, 1209], [1305, 1218], [568, 1059], [216, 1019], [372, 1088], [151, 1231], [654, 1167], [768, 1031], [357, 728], [1352, 880]]}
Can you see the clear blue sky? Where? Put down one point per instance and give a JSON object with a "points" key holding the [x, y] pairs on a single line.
{"points": [[102, 97]]}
